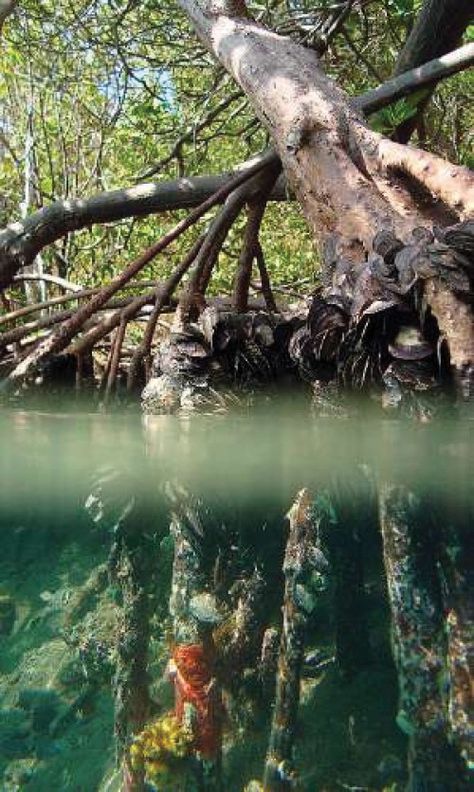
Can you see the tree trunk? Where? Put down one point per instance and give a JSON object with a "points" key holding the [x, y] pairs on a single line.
{"points": [[351, 182], [347, 178]]}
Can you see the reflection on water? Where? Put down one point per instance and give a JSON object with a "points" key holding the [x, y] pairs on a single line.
{"points": [[67, 577]]}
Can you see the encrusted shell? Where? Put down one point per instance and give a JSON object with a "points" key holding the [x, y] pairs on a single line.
{"points": [[387, 245], [413, 375], [422, 234], [461, 237], [161, 395]]}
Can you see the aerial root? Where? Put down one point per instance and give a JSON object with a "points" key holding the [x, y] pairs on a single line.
{"points": [[73, 322], [401, 322]]}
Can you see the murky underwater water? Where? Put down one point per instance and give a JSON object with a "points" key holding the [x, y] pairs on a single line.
{"points": [[66, 482]]}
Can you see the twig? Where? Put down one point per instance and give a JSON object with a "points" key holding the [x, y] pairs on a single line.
{"points": [[189, 134], [79, 295], [18, 333], [109, 323], [115, 353], [42, 276]]}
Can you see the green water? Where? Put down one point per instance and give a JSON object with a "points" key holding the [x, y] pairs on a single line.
{"points": [[56, 707]]}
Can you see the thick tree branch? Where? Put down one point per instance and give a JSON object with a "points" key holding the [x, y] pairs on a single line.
{"points": [[331, 158], [21, 241]]}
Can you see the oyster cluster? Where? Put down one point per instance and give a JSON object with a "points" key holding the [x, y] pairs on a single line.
{"points": [[366, 329], [197, 366], [373, 329], [181, 373]]}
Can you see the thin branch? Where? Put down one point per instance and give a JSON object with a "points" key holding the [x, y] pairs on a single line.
{"points": [[109, 323], [115, 353], [265, 281], [189, 135], [250, 244], [413, 80], [79, 295], [42, 276], [24, 330]]}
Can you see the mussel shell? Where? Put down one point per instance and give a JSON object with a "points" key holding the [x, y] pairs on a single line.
{"points": [[461, 237], [379, 306], [386, 244], [322, 315], [457, 280], [380, 267], [263, 334], [405, 262], [414, 375], [444, 256], [409, 352], [422, 234]]}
